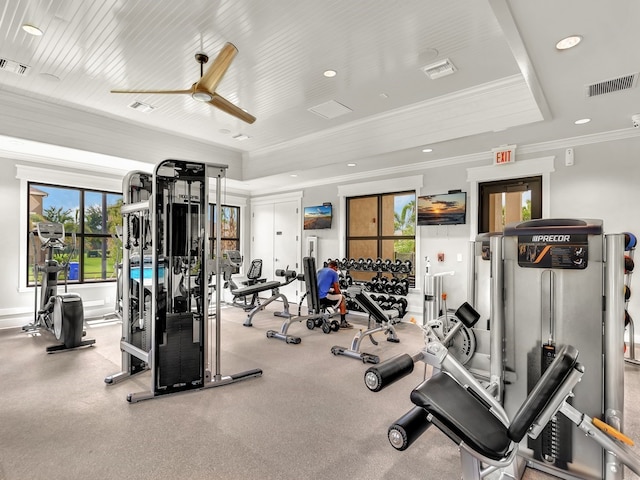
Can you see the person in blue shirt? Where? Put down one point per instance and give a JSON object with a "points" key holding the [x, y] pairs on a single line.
{"points": [[329, 291]]}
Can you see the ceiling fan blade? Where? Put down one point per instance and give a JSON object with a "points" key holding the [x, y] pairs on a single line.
{"points": [[228, 107], [154, 91], [218, 68]]}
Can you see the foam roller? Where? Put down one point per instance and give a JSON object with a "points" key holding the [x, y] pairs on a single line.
{"points": [[384, 374], [408, 428]]}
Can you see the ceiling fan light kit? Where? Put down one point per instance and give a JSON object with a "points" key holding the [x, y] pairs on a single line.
{"points": [[204, 90]]}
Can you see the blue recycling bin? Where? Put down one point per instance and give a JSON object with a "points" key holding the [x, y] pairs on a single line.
{"points": [[73, 270]]}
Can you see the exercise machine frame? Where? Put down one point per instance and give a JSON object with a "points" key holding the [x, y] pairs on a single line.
{"points": [[182, 338], [384, 322], [60, 314]]}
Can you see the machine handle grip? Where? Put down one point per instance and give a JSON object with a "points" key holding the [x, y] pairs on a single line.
{"points": [[384, 374], [609, 430]]}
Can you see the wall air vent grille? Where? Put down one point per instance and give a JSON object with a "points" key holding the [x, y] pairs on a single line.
{"points": [[13, 67], [439, 69], [142, 107], [614, 85]]}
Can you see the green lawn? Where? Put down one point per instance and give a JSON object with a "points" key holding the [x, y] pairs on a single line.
{"points": [[92, 270]]}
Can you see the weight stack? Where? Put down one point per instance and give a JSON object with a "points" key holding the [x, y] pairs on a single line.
{"points": [[179, 359]]}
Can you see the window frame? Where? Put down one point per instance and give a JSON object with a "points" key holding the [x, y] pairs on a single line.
{"points": [[485, 189], [542, 166], [212, 227], [380, 237], [81, 235]]}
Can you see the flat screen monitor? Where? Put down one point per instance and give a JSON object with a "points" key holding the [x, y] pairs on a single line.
{"points": [[317, 217], [443, 209]]}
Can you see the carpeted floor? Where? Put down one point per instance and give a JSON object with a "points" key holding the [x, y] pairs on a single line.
{"points": [[309, 416]]}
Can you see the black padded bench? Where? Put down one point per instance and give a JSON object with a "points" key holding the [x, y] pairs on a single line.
{"points": [[257, 288], [384, 319]]}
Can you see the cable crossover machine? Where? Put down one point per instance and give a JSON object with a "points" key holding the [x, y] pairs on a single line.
{"points": [[166, 268]]}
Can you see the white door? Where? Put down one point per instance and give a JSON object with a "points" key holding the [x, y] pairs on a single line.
{"points": [[275, 238], [286, 244], [262, 238]]}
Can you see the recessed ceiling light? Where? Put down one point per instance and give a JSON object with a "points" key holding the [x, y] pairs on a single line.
{"points": [[427, 150], [582, 121], [384, 95], [241, 136], [225, 131], [351, 164], [32, 30], [569, 42], [293, 175], [330, 73]]}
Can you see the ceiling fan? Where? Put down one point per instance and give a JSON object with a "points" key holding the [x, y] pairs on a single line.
{"points": [[204, 90]]}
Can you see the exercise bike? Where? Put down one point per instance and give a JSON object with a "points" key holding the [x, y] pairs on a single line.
{"points": [[60, 314]]}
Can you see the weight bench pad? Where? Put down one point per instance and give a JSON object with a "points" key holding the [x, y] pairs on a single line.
{"points": [[543, 391], [463, 416], [257, 288], [374, 309]]}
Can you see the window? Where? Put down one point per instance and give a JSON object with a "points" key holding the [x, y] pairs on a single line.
{"points": [[230, 228], [382, 226], [89, 217], [508, 201]]}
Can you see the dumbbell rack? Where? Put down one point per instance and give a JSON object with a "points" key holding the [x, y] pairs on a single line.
{"points": [[630, 247], [392, 292]]}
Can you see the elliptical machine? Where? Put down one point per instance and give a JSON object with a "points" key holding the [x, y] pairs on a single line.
{"points": [[60, 314]]}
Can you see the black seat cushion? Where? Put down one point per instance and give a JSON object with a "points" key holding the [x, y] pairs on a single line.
{"points": [[461, 416], [257, 288]]}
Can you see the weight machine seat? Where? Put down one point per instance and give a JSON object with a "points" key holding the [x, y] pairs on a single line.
{"points": [[464, 418], [257, 288]]}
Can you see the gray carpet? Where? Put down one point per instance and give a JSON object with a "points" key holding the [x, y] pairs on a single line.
{"points": [[308, 417]]}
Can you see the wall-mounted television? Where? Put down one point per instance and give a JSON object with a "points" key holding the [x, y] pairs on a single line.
{"points": [[317, 217], [443, 209]]}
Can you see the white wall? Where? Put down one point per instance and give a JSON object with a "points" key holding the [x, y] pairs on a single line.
{"points": [[603, 183], [17, 301], [328, 239]]}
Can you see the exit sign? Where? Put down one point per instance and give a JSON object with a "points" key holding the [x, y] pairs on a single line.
{"points": [[503, 155]]}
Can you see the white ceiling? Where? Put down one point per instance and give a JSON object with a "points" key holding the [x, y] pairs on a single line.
{"points": [[511, 85]]}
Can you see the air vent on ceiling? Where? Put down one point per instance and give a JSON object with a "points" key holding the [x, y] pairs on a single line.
{"points": [[614, 85], [330, 109], [13, 67], [439, 69], [142, 107]]}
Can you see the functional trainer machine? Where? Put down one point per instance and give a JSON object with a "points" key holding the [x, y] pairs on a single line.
{"points": [[61, 314], [166, 328]]}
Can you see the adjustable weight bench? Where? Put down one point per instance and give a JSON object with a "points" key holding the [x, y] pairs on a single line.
{"points": [[274, 286], [253, 278], [316, 317], [476, 422], [384, 322]]}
